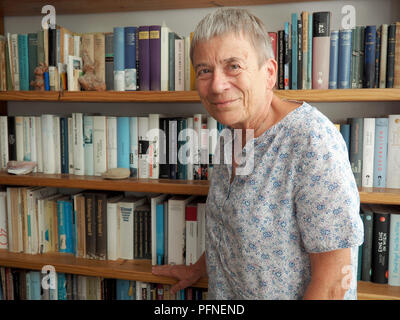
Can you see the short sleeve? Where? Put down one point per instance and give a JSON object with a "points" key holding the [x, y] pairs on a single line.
{"points": [[326, 199]]}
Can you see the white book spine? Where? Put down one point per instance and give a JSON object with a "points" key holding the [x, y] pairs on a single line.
{"points": [[41, 225], [32, 129], [48, 148], [189, 140], [164, 57], [154, 146], [3, 221], [113, 231], [393, 164], [100, 145], [176, 229], [15, 61], [179, 65], [39, 151], [112, 142], [368, 152], [77, 45], [191, 242], [383, 60], [70, 147], [57, 143], [19, 137], [187, 63], [119, 80], [27, 138], [143, 139], [79, 159], [201, 230], [20, 221], [88, 144], [394, 250], [4, 141]]}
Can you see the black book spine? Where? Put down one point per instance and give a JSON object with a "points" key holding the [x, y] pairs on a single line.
{"points": [[380, 248], [391, 45], [300, 54], [52, 47], [377, 56], [12, 147], [281, 48], [164, 147], [90, 213]]}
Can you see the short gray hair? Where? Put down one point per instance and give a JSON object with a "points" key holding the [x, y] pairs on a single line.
{"points": [[238, 21]]}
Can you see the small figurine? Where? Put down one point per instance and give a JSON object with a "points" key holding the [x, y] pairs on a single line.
{"points": [[89, 81], [38, 83]]}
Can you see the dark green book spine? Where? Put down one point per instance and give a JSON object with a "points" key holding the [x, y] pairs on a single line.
{"points": [[32, 49], [390, 55], [171, 61]]}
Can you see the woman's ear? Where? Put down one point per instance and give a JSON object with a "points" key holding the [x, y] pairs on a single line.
{"points": [[272, 72]]}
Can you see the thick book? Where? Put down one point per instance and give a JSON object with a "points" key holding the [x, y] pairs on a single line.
{"points": [[380, 152], [179, 64], [142, 238], [90, 224], [321, 49], [100, 56], [164, 58], [356, 150], [394, 246], [393, 161], [390, 55], [191, 233], [155, 57], [144, 57], [368, 152], [130, 58], [380, 243], [119, 59], [334, 60], [344, 66], [171, 60], [112, 142], [65, 220], [369, 57], [377, 56]]}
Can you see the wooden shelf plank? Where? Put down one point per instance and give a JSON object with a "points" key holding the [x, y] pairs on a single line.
{"points": [[336, 95], [98, 183], [120, 269], [375, 291], [380, 195], [129, 96], [34, 7]]}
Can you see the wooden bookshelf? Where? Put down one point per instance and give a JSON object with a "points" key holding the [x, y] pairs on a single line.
{"points": [[375, 291], [98, 183], [332, 95], [67, 263], [34, 7]]}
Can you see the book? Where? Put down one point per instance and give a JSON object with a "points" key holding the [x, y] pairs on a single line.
{"points": [[181, 170], [133, 147], [191, 233], [393, 153], [380, 244], [321, 48], [144, 57], [294, 51], [391, 48], [366, 262], [356, 150], [383, 56], [368, 152], [396, 80], [369, 57], [179, 64], [142, 236], [345, 51], [3, 221], [380, 152], [99, 55], [143, 147], [377, 56], [88, 144], [130, 58], [23, 60], [119, 59], [334, 60], [157, 228], [154, 145], [112, 142], [394, 246], [155, 57], [164, 57], [99, 145], [109, 60], [123, 142], [357, 58]]}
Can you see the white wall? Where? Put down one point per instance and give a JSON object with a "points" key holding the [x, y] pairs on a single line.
{"points": [[368, 12]]}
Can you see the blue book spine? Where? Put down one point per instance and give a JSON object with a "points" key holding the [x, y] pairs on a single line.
{"points": [[369, 54], [160, 233], [62, 232], [380, 152], [46, 81], [23, 62], [125, 289], [345, 51], [394, 250], [119, 59], [61, 286], [333, 60], [345, 131], [134, 147], [69, 229], [35, 285], [309, 57], [130, 58], [294, 51], [123, 142], [88, 145]]}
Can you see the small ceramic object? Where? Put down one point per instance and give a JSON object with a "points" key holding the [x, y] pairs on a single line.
{"points": [[116, 173], [20, 167]]}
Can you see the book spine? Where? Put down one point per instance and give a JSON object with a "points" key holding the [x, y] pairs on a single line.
{"points": [[393, 165], [321, 49], [64, 144], [79, 154], [380, 247], [191, 234], [287, 57], [171, 61], [300, 53], [164, 155], [154, 145], [69, 226], [355, 57], [70, 146], [144, 57], [130, 58], [119, 59], [100, 56], [396, 81], [383, 57], [109, 60], [101, 226], [3, 142], [377, 56], [164, 58], [356, 150], [133, 147], [344, 59], [155, 57], [90, 222], [112, 231], [281, 48], [368, 152], [160, 234], [143, 147], [179, 65], [23, 60], [333, 59], [173, 148], [294, 51], [99, 145], [391, 55], [88, 144], [366, 263], [394, 250], [123, 142], [126, 230], [62, 230], [380, 152], [181, 157], [32, 50], [112, 142], [369, 61], [304, 18], [310, 50]]}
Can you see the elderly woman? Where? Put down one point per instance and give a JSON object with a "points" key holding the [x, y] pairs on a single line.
{"points": [[290, 228]]}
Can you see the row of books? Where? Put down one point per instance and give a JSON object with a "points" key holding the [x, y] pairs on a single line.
{"points": [[310, 55], [374, 153], [103, 225], [129, 58], [22, 284], [378, 259], [150, 146]]}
